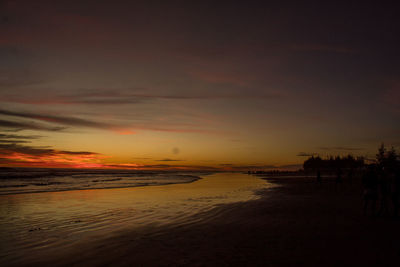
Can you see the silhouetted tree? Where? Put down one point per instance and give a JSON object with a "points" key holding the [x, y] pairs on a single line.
{"points": [[332, 164], [388, 165]]}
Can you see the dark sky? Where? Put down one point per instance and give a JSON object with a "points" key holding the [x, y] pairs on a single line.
{"points": [[227, 83]]}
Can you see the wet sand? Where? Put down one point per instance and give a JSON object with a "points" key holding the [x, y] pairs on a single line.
{"points": [[42, 227], [296, 224]]}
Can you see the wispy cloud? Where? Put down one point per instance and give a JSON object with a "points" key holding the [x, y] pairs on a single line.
{"points": [[29, 156], [122, 96], [11, 148], [340, 148], [17, 126], [70, 121], [15, 153], [65, 122], [24, 155], [14, 136], [166, 160], [10, 141]]}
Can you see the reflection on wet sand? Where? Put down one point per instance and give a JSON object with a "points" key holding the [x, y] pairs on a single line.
{"points": [[36, 224]]}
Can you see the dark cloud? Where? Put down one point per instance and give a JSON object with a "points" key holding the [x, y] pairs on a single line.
{"points": [[27, 150], [70, 121], [77, 152], [10, 148], [18, 126], [11, 141], [78, 122], [124, 96], [170, 160], [319, 54], [8, 161], [14, 136]]}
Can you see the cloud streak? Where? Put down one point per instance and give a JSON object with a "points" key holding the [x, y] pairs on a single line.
{"points": [[64, 122], [341, 148], [18, 126], [70, 121], [18, 154], [14, 136], [124, 96], [169, 160]]}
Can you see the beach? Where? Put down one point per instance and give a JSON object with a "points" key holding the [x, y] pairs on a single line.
{"points": [[38, 228], [294, 222]]}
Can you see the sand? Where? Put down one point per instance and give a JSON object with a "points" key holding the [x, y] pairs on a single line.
{"points": [[297, 223]]}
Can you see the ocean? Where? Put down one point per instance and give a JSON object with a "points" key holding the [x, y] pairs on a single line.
{"points": [[34, 180]]}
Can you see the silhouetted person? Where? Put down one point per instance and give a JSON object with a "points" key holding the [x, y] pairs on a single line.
{"points": [[370, 183], [384, 190]]}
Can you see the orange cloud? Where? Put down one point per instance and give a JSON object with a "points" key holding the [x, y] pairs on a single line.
{"points": [[124, 132]]}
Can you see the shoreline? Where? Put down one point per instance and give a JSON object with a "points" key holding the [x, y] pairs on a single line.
{"points": [[80, 221], [289, 225], [295, 222], [195, 178], [85, 189]]}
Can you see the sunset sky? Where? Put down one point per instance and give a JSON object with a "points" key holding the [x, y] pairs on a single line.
{"points": [[195, 84]]}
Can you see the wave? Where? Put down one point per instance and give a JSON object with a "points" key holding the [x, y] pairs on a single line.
{"points": [[28, 180]]}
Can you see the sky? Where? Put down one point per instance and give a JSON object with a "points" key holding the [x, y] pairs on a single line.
{"points": [[196, 84]]}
